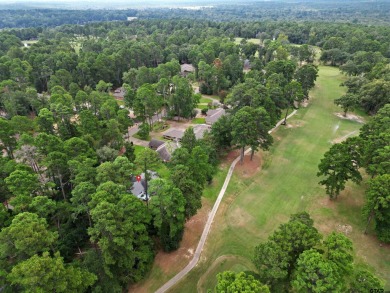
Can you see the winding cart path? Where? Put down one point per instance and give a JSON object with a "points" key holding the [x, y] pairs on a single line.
{"points": [[210, 220]]}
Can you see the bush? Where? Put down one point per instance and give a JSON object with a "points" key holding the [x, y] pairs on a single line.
{"points": [[204, 111]]}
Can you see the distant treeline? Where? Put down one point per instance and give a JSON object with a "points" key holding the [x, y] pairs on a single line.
{"points": [[55, 17], [333, 11]]}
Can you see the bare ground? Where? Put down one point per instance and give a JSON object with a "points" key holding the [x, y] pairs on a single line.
{"points": [[173, 262], [350, 116]]}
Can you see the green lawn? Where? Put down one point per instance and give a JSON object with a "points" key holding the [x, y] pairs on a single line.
{"points": [[198, 121], [137, 136], [138, 149], [254, 41], [253, 207], [205, 100]]}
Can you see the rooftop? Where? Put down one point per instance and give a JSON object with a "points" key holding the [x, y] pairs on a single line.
{"points": [[173, 134], [214, 115]]}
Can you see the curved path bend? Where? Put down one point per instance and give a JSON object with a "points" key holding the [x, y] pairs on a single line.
{"points": [[210, 220]]}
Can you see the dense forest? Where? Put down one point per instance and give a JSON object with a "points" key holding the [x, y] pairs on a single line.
{"points": [[69, 217], [367, 12]]}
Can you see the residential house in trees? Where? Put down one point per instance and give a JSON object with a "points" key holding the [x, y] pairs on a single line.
{"points": [[186, 69], [214, 115], [138, 188]]}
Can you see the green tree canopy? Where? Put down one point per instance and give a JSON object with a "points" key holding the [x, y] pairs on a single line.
{"points": [[240, 282]]}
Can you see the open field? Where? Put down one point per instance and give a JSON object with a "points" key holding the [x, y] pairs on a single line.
{"points": [[286, 183], [254, 41]]}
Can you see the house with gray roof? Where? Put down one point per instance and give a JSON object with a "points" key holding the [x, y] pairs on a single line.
{"points": [[166, 150], [173, 134], [138, 188], [200, 129], [154, 144], [214, 115], [186, 69]]}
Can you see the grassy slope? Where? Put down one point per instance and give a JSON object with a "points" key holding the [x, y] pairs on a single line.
{"points": [[254, 207]]}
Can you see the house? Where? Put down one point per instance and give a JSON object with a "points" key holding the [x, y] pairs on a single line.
{"points": [[119, 93], [177, 134], [186, 69], [200, 129], [214, 115], [154, 144], [138, 188], [173, 134], [166, 150]]}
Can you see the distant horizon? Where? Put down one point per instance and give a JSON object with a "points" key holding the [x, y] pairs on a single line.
{"points": [[130, 3], [103, 4], [142, 4]]}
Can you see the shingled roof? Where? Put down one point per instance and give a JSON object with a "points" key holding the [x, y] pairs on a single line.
{"points": [[155, 143], [214, 115], [173, 134]]}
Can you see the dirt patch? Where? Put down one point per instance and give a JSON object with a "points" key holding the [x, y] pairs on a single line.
{"points": [[229, 158], [249, 168], [344, 228], [239, 217], [351, 117], [305, 103], [193, 230], [295, 124]]}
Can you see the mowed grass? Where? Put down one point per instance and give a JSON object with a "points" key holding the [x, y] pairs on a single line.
{"points": [[198, 121], [254, 207], [205, 100], [254, 41]]}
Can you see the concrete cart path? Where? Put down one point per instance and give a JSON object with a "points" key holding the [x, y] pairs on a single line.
{"points": [[210, 219]]}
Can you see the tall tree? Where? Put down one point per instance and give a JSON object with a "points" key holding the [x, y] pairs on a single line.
{"points": [[181, 177], [188, 140], [147, 160], [49, 274], [7, 136], [377, 206], [240, 282], [315, 274], [347, 102], [338, 166], [126, 248], [168, 209], [183, 101], [339, 251], [306, 76], [27, 235], [250, 128]]}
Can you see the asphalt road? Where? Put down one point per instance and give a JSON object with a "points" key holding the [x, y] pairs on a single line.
{"points": [[209, 222]]}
